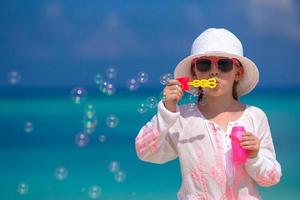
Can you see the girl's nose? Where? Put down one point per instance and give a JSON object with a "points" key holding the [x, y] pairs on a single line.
{"points": [[214, 70]]}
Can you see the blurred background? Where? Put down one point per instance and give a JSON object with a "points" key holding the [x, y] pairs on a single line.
{"points": [[78, 79]]}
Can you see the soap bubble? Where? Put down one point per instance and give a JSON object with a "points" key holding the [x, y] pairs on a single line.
{"points": [[111, 89], [60, 173], [151, 102], [94, 191], [111, 73], [90, 121], [103, 86], [165, 78], [78, 95], [132, 84], [191, 98], [89, 110], [114, 166], [194, 91], [81, 139], [102, 138], [142, 77], [14, 77], [192, 105], [98, 79], [28, 127], [112, 121], [142, 108], [120, 176], [22, 188], [107, 88]]}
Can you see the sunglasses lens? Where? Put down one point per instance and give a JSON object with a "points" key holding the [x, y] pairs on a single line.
{"points": [[203, 65], [225, 65]]}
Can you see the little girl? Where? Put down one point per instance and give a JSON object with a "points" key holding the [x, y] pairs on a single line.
{"points": [[200, 137]]}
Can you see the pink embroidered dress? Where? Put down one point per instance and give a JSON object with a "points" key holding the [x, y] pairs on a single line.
{"points": [[204, 152]]}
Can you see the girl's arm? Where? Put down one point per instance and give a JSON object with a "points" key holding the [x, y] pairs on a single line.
{"points": [[154, 142], [264, 169]]}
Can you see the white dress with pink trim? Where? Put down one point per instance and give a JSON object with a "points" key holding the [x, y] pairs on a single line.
{"points": [[204, 152]]}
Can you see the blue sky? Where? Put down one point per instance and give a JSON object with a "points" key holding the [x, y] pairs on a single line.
{"points": [[65, 43]]}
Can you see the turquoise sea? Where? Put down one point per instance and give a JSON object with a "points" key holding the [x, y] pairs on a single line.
{"points": [[32, 157]]}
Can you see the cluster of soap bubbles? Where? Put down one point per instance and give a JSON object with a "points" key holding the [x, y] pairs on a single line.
{"points": [[134, 83], [191, 101], [150, 102], [189, 98], [89, 119], [60, 173], [90, 122], [165, 78], [106, 87], [119, 174]]}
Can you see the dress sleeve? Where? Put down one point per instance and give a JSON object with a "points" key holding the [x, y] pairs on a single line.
{"points": [[153, 142], [264, 169]]}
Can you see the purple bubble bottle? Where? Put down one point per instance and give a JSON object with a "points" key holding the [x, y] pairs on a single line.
{"points": [[239, 155]]}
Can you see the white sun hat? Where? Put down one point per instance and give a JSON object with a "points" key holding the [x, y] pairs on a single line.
{"points": [[220, 42]]}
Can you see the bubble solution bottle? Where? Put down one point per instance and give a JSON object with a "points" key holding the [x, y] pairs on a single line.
{"points": [[239, 155]]}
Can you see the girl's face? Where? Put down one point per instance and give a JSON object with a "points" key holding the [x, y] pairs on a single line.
{"points": [[225, 70]]}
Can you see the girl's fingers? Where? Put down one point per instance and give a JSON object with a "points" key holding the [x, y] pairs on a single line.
{"points": [[248, 138], [173, 89], [251, 148], [173, 82], [173, 95], [248, 143]]}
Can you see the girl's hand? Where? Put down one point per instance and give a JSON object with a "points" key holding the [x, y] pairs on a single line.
{"points": [[251, 143], [172, 94]]}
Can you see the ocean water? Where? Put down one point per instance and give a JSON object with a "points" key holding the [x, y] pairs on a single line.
{"points": [[32, 158]]}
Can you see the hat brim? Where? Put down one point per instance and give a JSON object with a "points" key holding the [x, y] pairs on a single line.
{"points": [[246, 84]]}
